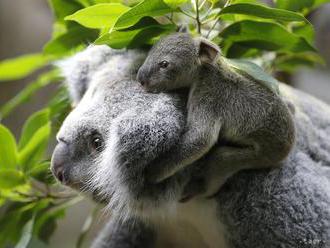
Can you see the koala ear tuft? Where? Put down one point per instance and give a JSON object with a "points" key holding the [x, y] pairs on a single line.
{"points": [[208, 52]]}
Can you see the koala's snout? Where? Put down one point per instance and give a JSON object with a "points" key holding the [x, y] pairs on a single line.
{"points": [[59, 162], [142, 77]]}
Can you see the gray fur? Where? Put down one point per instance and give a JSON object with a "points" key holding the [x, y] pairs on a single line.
{"points": [[251, 122], [283, 207]]}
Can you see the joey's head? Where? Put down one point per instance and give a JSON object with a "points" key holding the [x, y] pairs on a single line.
{"points": [[174, 62]]}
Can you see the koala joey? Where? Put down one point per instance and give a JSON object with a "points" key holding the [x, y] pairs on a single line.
{"points": [[252, 123]]}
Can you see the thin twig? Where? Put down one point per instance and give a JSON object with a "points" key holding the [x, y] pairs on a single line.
{"points": [[213, 26], [208, 12], [217, 20], [202, 4], [197, 17], [187, 14], [227, 3]]}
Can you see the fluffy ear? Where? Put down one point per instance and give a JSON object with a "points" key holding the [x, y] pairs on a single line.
{"points": [[79, 69], [208, 52]]}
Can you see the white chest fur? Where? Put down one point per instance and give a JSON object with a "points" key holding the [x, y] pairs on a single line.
{"points": [[194, 224]]}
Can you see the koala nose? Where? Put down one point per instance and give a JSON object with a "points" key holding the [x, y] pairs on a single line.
{"points": [[141, 78], [142, 82], [58, 163]]}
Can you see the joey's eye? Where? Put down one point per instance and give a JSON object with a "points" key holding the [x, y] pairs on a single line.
{"points": [[96, 143], [163, 64]]}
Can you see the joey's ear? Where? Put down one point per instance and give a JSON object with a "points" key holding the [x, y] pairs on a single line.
{"points": [[208, 52]]}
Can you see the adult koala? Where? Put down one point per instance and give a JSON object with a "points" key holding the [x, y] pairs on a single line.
{"points": [[108, 141]]}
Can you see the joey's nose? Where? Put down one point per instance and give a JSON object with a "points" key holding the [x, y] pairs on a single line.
{"points": [[141, 78], [59, 162]]}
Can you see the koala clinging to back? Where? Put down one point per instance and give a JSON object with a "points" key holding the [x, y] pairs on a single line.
{"points": [[252, 123]]}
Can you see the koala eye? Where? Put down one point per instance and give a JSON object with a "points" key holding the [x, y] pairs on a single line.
{"points": [[163, 64], [96, 143]]}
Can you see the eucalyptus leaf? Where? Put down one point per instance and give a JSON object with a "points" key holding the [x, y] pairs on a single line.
{"points": [[26, 93], [134, 38], [63, 8], [265, 12], [65, 43], [99, 16], [26, 235], [263, 36], [175, 3], [289, 63], [152, 8], [305, 31], [318, 3], [254, 71], [8, 150], [11, 178], [294, 5], [304, 6], [34, 122], [34, 150], [20, 67]]}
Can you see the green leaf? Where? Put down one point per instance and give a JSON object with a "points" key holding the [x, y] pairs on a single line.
{"points": [[41, 172], [246, 1], [85, 3], [8, 150], [62, 8], [134, 38], [175, 3], [294, 5], [10, 178], [109, 1], [22, 66], [13, 219], [34, 150], [263, 36], [262, 11], [45, 225], [304, 6], [213, 1], [25, 94], [305, 31], [254, 71], [33, 123], [318, 3], [72, 39], [99, 16], [246, 67], [26, 235], [289, 63], [236, 50], [152, 8], [60, 106]]}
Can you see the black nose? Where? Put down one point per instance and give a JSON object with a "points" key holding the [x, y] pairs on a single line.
{"points": [[59, 162], [141, 78], [143, 82]]}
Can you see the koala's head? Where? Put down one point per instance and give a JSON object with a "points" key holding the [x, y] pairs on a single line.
{"points": [[82, 136], [107, 143], [174, 62]]}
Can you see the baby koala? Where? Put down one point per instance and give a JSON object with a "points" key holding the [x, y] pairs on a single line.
{"points": [[250, 123]]}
